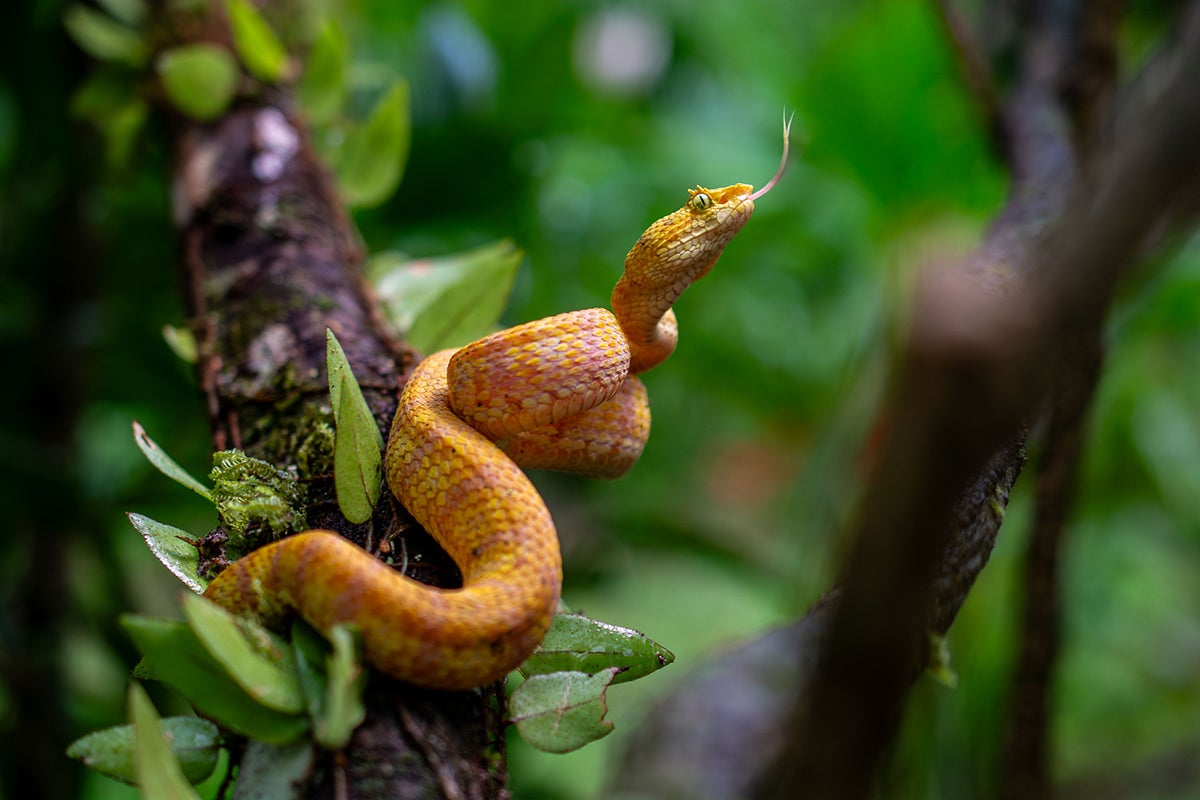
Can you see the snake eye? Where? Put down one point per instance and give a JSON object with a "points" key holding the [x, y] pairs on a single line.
{"points": [[700, 201]]}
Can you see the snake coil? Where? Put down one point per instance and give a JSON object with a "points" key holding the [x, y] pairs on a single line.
{"points": [[558, 393]]}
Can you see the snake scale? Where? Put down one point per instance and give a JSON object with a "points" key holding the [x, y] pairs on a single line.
{"points": [[558, 393]]}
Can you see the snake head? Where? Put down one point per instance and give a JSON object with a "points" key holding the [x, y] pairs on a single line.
{"points": [[683, 246], [673, 252]]}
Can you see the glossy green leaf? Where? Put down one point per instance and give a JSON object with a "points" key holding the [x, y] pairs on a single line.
{"points": [[337, 365], [358, 444], [103, 37], [195, 742], [579, 644], [256, 43], [309, 650], [170, 545], [370, 162], [357, 459], [165, 464], [159, 775], [562, 711], [199, 79], [447, 301], [177, 657], [333, 678], [322, 86], [257, 660]]}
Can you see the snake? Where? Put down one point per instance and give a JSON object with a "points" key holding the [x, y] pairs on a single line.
{"points": [[558, 393]]}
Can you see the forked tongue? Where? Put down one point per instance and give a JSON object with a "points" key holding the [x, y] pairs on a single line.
{"points": [[787, 129]]}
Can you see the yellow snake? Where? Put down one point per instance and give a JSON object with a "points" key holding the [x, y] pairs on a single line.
{"points": [[558, 393]]}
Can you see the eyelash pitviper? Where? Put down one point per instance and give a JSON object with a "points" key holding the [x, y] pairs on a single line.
{"points": [[557, 393]]}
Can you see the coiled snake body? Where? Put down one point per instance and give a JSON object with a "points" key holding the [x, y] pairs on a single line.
{"points": [[558, 393]]}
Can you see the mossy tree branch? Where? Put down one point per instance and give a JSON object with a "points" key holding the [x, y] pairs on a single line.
{"points": [[270, 260]]}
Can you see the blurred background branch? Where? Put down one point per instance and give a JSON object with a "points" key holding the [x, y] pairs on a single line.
{"points": [[990, 343]]}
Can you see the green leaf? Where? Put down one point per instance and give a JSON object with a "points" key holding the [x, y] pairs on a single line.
{"points": [[170, 545], [103, 37], [165, 464], [257, 45], [272, 771], [579, 644], [182, 343], [105, 90], [131, 12], [121, 131], [447, 301], [199, 79], [358, 444], [563, 711], [939, 666], [177, 657], [110, 100], [357, 459], [336, 365], [343, 710], [322, 87], [370, 162], [333, 678], [159, 775], [309, 649], [256, 659], [196, 743]]}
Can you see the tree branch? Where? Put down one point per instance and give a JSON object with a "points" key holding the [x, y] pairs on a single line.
{"points": [[976, 366], [1089, 86], [975, 73], [270, 260]]}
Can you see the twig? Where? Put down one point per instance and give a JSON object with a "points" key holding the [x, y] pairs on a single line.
{"points": [[1027, 775], [975, 73], [1090, 82]]}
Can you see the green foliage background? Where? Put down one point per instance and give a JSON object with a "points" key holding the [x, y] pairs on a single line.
{"points": [[729, 524]]}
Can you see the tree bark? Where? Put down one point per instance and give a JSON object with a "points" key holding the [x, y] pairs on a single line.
{"points": [[270, 260]]}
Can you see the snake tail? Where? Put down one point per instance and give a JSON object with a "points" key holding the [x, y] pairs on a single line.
{"points": [[409, 630]]}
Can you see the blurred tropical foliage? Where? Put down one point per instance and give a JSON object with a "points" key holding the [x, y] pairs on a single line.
{"points": [[568, 128]]}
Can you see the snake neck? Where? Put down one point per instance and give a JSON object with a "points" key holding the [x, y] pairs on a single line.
{"points": [[648, 323], [674, 252]]}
